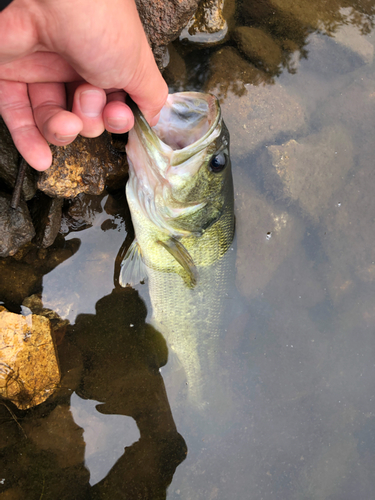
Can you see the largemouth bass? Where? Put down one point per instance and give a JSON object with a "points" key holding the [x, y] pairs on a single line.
{"points": [[180, 195]]}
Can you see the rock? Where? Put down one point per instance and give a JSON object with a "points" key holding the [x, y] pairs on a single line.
{"points": [[163, 21], [28, 359], [267, 235], [290, 19], [229, 72], [254, 114], [16, 228], [175, 73], [59, 434], [310, 171], [9, 163], [82, 167], [18, 280], [15, 493], [80, 212], [347, 236], [260, 48], [22, 275], [46, 214], [208, 25], [34, 305]]}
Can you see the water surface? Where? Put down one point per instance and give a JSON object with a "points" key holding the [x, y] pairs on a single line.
{"points": [[295, 365]]}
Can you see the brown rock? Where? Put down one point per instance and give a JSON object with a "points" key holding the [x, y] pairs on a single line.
{"points": [[46, 213], [82, 167], [9, 162], [260, 48], [208, 25], [163, 21], [29, 368], [16, 228]]}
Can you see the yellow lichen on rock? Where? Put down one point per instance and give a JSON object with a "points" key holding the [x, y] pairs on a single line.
{"points": [[29, 369]]}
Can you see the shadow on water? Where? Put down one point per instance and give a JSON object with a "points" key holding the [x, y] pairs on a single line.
{"points": [[114, 357]]}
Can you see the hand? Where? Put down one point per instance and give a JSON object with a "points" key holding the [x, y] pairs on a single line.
{"points": [[83, 55]]}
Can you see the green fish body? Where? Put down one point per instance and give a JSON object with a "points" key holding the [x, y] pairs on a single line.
{"points": [[180, 195]]}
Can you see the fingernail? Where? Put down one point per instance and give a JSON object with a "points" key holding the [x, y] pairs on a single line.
{"points": [[65, 138], [117, 123], [91, 103]]}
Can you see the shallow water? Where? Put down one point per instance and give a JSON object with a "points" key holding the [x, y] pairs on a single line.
{"points": [[293, 415]]}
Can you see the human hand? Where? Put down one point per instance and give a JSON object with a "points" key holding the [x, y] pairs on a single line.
{"points": [[83, 55]]}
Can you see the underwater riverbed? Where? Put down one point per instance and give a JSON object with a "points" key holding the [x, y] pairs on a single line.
{"points": [[294, 411]]}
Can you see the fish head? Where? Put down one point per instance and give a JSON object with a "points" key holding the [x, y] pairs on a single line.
{"points": [[180, 169]]}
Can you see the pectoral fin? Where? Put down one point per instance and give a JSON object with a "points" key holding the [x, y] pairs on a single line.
{"points": [[179, 252], [133, 269]]}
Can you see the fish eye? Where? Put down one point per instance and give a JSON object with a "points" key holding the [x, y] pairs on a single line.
{"points": [[218, 162]]}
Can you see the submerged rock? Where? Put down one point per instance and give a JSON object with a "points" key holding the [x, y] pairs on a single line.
{"points": [[46, 213], [260, 48], [16, 228], [29, 370], [82, 167], [291, 19], [22, 275], [59, 434], [229, 72], [311, 170], [359, 48], [341, 53], [266, 237], [258, 117]]}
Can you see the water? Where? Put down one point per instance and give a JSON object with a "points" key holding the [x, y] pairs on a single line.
{"points": [[297, 415]]}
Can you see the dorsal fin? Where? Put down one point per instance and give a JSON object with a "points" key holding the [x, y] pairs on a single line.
{"points": [[182, 256]]}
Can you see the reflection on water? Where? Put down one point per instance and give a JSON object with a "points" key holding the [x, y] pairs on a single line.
{"points": [[295, 414]]}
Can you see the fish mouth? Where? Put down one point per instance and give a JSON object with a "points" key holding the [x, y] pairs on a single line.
{"points": [[185, 127]]}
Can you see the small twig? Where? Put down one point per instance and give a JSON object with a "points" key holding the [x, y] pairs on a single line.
{"points": [[44, 483], [18, 185], [14, 418]]}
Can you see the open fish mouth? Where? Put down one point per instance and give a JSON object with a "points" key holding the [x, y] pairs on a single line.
{"points": [[186, 126], [186, 119]]}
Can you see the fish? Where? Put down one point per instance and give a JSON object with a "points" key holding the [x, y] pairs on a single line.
{"points": [[180, 196]]}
